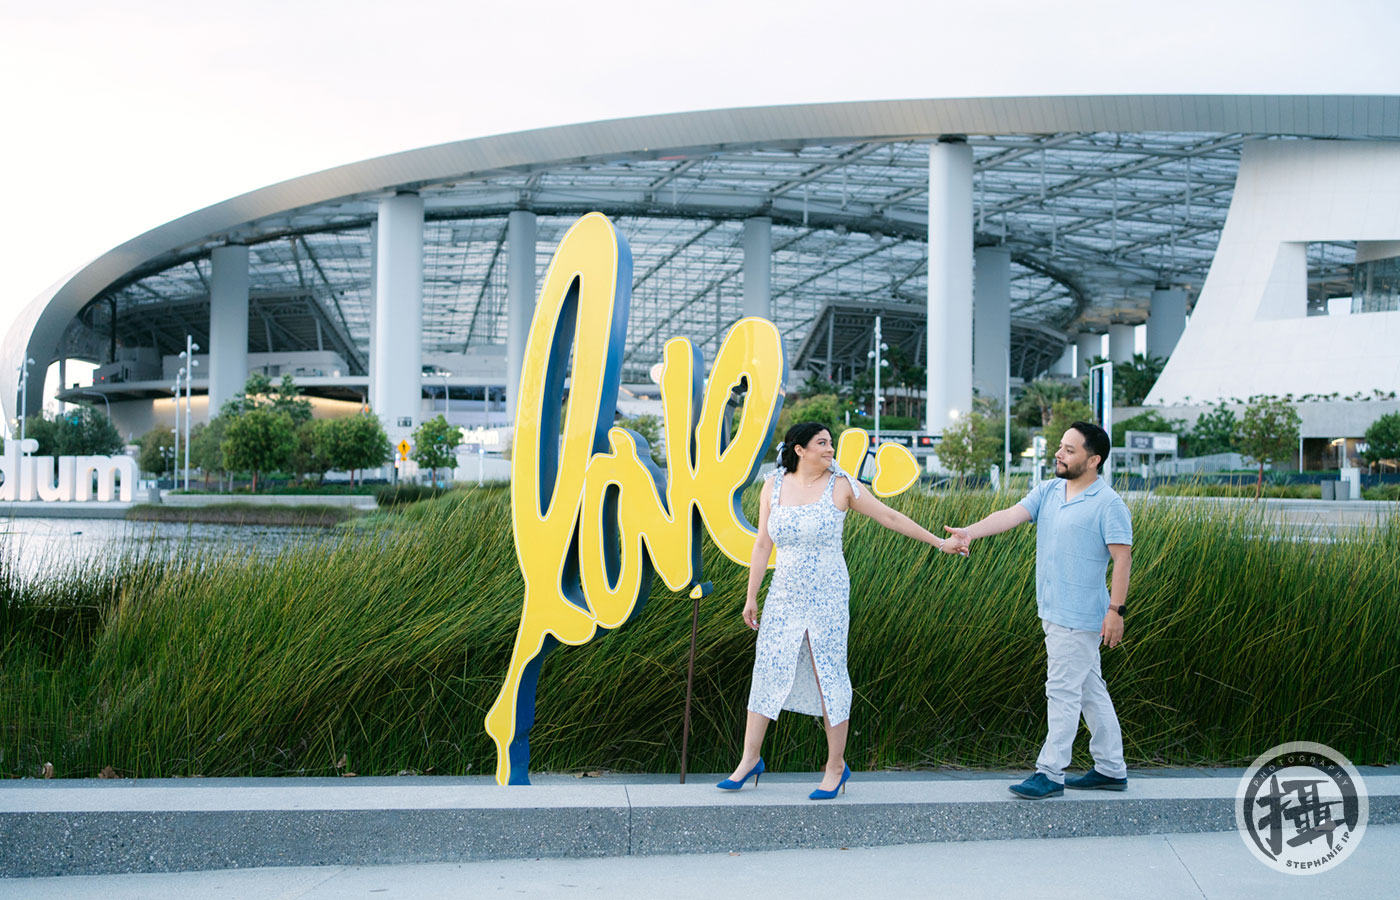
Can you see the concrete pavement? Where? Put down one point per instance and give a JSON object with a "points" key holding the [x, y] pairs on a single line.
{"points": [[1213, 865], [94, 827]]}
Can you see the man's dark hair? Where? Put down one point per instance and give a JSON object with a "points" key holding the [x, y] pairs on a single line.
{"points": [[1095, 441]]}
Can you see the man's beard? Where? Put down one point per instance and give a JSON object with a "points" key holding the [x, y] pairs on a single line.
{"points": [[1069, 474]]}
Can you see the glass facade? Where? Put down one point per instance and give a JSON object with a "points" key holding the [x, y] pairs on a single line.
{"points": [[1376, 286]]}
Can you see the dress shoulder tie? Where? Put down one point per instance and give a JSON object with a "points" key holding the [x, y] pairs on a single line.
{"points": [[838, 471]]}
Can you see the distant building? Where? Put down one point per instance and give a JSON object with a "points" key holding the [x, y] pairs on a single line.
{"points": [[996, 238]]}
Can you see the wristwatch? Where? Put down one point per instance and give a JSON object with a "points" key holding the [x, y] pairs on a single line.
{"points": [[1121, 609]]}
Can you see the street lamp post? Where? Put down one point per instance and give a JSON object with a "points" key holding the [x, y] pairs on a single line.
{"points": [[1006, 408], [175, 465], [104, 400], [446, 393], [188, 356], [878, 355]]}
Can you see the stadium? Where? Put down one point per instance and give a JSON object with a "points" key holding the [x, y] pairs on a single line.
{"points": [[1251, 241]]}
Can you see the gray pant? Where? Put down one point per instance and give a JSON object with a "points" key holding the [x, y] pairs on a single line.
{"points": [[1074, 684]]}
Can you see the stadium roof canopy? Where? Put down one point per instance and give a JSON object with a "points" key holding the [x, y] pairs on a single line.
{"points": [[1099, 200]]}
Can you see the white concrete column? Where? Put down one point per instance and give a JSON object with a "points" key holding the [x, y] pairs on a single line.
{"points": [[398, 321], [1065, 364], [62, 382], [228, 324], [991, 310], [521, 237], [1087, 347], [758, 267], [373, 295], [1121, 341], [1166, 322], [949, 283]]}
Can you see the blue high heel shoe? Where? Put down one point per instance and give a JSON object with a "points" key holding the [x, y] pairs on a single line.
{"points": [[840, 788], [731, 785]]}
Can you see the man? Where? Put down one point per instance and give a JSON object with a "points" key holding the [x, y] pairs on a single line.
{"points": [[1080, 525]]}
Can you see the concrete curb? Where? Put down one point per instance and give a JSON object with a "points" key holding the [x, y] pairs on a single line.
{"points": [[89, 509], [354, 501], [116, 827]]}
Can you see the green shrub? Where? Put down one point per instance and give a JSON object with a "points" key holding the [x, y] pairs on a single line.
{"points": [[1214, 433], [1383, 440], [82, 431]]}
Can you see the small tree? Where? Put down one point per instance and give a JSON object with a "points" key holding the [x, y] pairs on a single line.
{"points": [[1267, 431], [259, 393], [255, 393], [435, 443], [288, 399], [355, 442], [1214, 432], [969, 445], [1062, 415], [80, 432], [1383, 441], [157, 452], [993, 430], [44, 430], [206, 447], [259, 440], [308, 458]]}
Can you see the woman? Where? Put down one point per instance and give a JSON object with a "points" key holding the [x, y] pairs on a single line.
{"points": [[800, 661]]}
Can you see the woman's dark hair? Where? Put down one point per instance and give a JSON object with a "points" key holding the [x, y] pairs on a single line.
{"points": [[798, 435], [1095, 440]]}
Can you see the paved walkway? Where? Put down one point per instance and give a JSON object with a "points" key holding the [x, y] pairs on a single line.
{"points": [[1214, 865], [1318, 518], [99, 828]]}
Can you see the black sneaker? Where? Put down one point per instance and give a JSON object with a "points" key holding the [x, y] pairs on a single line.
{"points": [[1094, 780], [1037, 787]]}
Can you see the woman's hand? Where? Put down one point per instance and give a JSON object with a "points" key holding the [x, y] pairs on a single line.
{"points": [[751, 614], [959, 543]]}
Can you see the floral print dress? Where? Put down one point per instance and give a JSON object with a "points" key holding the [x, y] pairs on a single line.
{"points": [[800, 659]]}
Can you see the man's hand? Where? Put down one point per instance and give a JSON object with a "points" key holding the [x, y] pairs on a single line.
{"points": [[957, 542], [1112, 631], [751, 614]]}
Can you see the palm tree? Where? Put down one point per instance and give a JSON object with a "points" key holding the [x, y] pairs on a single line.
{"points": [[1033, 406], [1133, 380]]}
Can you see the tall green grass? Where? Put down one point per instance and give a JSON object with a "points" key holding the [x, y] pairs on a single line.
{"points": [[386, 647], [1239, 491]]}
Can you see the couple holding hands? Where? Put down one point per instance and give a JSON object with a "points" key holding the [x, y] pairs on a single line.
{"points": [[800, 658]]}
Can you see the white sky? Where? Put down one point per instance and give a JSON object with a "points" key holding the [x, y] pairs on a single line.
{"points": [[117, 118]]}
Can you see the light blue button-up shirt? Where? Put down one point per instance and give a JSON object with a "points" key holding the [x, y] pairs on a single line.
{"points": [[1071, 550]]}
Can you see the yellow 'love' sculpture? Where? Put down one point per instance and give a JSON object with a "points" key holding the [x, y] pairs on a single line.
{"points": [[592, 516]]}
